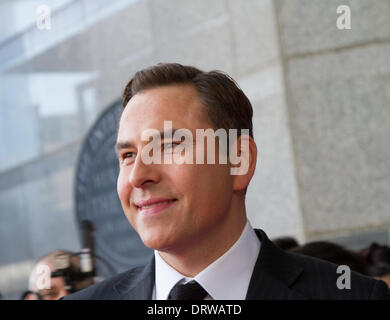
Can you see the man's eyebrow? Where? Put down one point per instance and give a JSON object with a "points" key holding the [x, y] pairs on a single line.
{"points": [[161, 134], [122, 145], [167, 134]]}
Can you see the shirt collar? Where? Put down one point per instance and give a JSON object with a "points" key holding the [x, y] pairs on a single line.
{"points": [[227, 278], [166, 278]]}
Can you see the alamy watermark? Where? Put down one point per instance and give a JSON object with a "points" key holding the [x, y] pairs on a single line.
{"points": [[43, 17], [42, 277], [179, 146], [344, 19], [344, 281]]}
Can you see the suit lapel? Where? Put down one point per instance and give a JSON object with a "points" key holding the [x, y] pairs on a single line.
{"points": [[138, 284], [274, 274]]}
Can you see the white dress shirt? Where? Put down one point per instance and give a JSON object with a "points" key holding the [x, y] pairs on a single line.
{"points": [[227, 278]]}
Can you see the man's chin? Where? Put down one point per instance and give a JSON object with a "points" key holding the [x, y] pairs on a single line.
{"points": [[156, 243]]}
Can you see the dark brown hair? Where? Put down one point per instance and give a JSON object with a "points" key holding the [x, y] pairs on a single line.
{"points": [[334, 253], [225, 104]]}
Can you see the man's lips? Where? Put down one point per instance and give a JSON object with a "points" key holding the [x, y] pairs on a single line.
{"points": [[154, 205]]}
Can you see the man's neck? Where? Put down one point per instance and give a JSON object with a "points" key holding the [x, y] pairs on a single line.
{"points": [[192, 258]]}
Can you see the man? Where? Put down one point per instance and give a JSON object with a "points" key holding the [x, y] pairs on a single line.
{"points": [[55, 275], [192, 213], [41, 284]]}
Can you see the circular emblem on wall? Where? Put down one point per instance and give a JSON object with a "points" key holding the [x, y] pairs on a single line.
{"points": [[96, 199]]}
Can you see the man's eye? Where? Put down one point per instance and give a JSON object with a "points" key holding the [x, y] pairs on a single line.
{"points": [[128, 155], [48, 295], [170, 145]]}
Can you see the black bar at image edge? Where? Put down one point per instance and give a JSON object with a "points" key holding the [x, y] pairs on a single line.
{"points": [[196, 309]]}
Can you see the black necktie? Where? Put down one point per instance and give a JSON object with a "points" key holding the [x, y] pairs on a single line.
{"points": [[189, 291]]}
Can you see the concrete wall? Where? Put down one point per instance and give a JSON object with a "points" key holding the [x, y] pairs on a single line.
{"points": [[337, 89]]}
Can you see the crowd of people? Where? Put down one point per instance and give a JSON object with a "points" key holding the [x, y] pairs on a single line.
{"points": [[57, 274], [373, 261], [67, 277]]}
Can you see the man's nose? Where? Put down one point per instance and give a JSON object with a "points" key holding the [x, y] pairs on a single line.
{"points": [[143, 174]]}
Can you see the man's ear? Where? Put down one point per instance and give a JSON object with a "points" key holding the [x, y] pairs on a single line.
{"points": [[242, 159]]}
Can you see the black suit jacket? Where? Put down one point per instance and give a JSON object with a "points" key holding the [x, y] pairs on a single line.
{"points": [[277, 275]]}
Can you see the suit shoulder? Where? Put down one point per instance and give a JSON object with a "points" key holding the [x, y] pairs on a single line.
{"points": [[105, 290], [325, 280]]}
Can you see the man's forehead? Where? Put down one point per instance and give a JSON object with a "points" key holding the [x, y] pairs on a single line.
{"points": [[173, 94], [150, 108], [132, 126]]}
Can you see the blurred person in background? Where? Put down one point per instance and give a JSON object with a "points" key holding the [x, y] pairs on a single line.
{"points": [[334, 253], [64, 277], [377, 258], [286, 243]]}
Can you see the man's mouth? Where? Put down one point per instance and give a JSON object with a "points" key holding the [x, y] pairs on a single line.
{"points": [[154, 206]]}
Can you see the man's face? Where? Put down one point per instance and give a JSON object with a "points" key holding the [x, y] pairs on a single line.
{"points": [[56, 291], [57, 285], [193, 200]]}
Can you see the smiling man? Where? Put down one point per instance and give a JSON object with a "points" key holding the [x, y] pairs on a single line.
{"points": [[193, 214], [170, 205]]}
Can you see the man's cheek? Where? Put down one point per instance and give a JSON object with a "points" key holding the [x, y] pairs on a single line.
{"points": [[122, 189]]}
